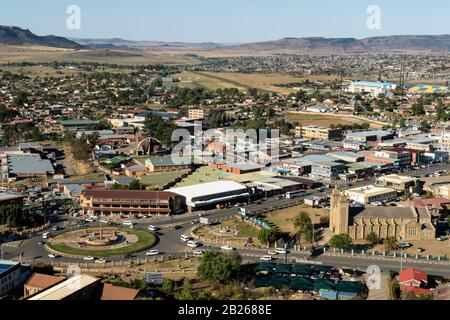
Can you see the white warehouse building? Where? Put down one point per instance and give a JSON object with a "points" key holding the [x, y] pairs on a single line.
{"points": [[372, 88], [212, 193]]}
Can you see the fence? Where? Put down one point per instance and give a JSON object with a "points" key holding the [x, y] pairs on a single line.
{"points": [[386, 254]]}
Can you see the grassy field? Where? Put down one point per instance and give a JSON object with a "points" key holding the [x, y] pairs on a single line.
{"points": [[118, 56], [146, 241], [241, 81], [206, 174], [284, 219], [324, 120]]}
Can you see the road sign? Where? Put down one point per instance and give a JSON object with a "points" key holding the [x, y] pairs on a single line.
{"points": [[154, 278]]}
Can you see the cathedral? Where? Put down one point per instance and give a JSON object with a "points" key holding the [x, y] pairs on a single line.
{"points": [[406, 224]]}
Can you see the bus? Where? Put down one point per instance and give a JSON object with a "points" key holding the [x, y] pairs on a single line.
{"points": [[295, 194]]}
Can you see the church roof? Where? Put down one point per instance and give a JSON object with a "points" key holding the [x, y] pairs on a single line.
{"points": [[389, 212]]}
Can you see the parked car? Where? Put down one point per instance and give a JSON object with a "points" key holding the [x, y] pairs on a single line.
{"points": [[198, 254], [89, 258], [272, 253], [128, 223], [184, 238], [152, 253], [281, 250], [100, 261], [404, 245], [420, 249], [266, 258], [227, 248], [192, 244]]}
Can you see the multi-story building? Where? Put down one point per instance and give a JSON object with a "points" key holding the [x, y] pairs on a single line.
{"points": [[12, 275], [198, 113], [399, 158], [327, 170], [399, 183], [127, 202], [319, 133], [371, 194], [372, 88]]}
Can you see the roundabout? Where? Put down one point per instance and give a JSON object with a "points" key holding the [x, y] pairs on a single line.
{"points": [[101, 242]]}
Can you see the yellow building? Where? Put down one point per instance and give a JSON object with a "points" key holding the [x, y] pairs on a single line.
{"points": [[318, 133]]}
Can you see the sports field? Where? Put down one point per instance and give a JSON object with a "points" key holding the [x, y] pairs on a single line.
{"points": [[241, 81]]}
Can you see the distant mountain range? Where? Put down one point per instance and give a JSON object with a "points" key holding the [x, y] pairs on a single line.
{"points": [[313, 45], [19, 36], [352, 45], [118, 42]]}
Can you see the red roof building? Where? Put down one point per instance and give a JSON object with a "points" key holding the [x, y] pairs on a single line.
{"points": [[412, 278]]}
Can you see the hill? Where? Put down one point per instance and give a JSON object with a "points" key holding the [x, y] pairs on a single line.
{"points": [[19, 36], [351, 45]]}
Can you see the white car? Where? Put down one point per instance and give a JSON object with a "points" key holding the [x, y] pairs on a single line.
{"points": [[404, 245], [127, 223], [100, 261], [152, 253], [88, 258], [184, 238], [52, 256], [153, 228], [193, 244], [281, 250], [227, 248], [272, 253], [198, 254], [104, 221], [266, 258]]}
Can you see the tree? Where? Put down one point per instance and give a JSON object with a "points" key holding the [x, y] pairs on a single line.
{"points": [[341, 241], [156, 127], [373, 238], [268, 236], [418, 109], [304, 225], [218, 267], [391, 243], [186, 291]]}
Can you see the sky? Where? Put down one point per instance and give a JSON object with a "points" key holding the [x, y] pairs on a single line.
{"points": [[226, 21]]}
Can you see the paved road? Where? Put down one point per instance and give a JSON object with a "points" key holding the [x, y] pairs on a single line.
{"points": [[170, 243]]}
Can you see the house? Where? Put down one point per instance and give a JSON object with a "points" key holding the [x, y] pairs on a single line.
{"points": [[39, 282], [414, 281], [114, 293], [136, 171]]}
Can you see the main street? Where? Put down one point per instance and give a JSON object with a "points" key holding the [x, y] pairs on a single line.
{"points": [[170, 243]]}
